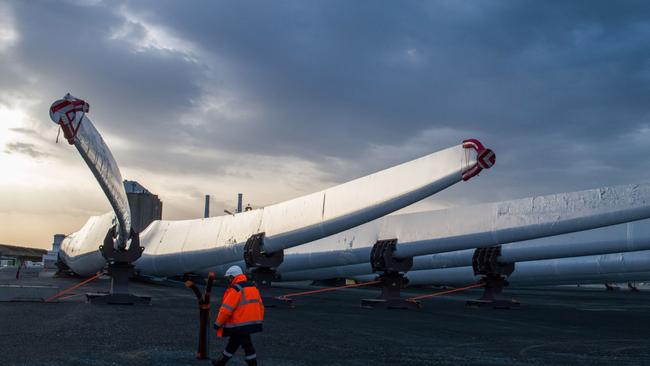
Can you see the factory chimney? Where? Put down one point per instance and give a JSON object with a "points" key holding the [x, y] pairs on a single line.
{"points": [[206, 211], [240, 197]]}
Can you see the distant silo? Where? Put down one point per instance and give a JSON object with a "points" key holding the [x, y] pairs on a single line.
{"points": [[145, 206]]}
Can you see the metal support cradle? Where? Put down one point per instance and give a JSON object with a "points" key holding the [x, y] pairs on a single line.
{"points": [[121, 269], [485, 262], [262, 267], [391, 277], [260, 264]]}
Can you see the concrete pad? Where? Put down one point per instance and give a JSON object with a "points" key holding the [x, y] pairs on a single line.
{"points": [[554, 326], [26, 292]]}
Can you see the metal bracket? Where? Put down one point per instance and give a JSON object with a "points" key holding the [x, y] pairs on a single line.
{"points": [[382, 259], [391, 277], [261, 265], [485, 262], [129, 255], [121, 270]]}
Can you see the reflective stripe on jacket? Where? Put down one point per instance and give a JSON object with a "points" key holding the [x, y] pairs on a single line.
{"points": [[242, 310]]}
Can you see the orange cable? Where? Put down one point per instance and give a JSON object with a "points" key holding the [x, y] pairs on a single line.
{"points": [[99, 274], [69, 296], [480, 284], [327, 289]]}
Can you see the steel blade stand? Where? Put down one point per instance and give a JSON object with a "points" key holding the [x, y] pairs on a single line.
{"points": [[262, 267], [121, 269], [392, 277], [485, 262]]}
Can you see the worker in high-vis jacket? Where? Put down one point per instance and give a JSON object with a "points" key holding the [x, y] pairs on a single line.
{"points": [[240, 315]]}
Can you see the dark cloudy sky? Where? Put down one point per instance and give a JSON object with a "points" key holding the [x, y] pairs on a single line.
{"points": [[279, 99]]}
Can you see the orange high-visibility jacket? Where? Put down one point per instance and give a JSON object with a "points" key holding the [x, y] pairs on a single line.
{"points": [[242, 310]]}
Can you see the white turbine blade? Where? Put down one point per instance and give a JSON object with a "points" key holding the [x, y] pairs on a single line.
{"points": [[628, 237], [174, 247], [478, 226], [79, 250], [603, 268], [70, 114]]}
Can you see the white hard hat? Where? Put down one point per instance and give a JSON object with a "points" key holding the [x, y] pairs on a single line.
{"points": [[234, 271]]}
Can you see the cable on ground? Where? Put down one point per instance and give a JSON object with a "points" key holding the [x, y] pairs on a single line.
{"points": [[440, 293], [328, 289], [99, 274], [69, 296]]}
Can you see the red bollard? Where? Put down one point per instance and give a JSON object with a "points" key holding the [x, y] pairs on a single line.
{"points": [[204, 314]]}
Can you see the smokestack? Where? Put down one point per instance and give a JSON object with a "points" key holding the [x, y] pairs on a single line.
{"points": [[240, 197], [58, 239], [206, 212]]}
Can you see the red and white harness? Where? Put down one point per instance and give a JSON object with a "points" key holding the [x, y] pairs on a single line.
{"points": [[64, 113], [485, 158]]}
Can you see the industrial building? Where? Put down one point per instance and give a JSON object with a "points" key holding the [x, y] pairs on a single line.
{"points": [[145, 206], [11, 255]]}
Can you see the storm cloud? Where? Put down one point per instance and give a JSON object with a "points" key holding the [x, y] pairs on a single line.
{"points": [[23, 148], [253, 96]]}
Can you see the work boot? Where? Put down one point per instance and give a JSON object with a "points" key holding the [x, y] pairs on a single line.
{"points": [[221, 362]]}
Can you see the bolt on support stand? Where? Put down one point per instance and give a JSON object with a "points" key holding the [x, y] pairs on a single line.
{"points": [[391, 277], [262, 266], [485, 262], [121, 269], [204, 314]]}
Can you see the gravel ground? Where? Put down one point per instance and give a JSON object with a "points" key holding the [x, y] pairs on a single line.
{"points": [[554, 326]]}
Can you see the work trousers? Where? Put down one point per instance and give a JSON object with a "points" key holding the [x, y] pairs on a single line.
{"points": [[243, 340]]}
